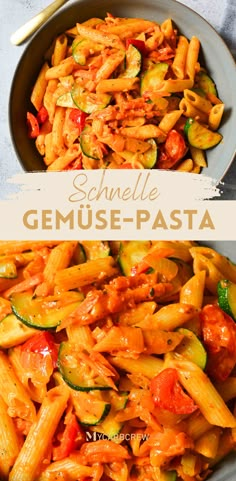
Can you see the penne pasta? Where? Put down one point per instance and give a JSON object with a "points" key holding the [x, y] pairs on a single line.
{"points": [[192, 292], [40, 435], [179, 61], [84, 274], [201, 103], [10, 442], [192, 57], [57, 131], [40, 86], [169, 120], [215, 116], [110, 349], [18, 402], [60, 50], [189, 110]]}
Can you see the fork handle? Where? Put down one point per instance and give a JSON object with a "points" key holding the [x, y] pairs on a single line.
{"points": [[34, 23]]}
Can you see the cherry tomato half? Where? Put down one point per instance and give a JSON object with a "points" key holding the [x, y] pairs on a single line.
{"points": [[168, 394], [219, 336]]}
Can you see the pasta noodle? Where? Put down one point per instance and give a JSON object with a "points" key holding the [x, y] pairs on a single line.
{"points": [[115, 351], [124, 78]]}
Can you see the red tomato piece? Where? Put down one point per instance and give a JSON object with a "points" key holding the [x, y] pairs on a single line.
{"points": [[139, 44], [33, 126], [44, 344], [219, 336], [175, 145], [79, 118], [71, 438], [168, 394], [164, 161], [42, 115]]}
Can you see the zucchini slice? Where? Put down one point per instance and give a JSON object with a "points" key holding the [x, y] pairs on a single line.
{"points": [[148, 159], [44, 312], [90, 409], [131, 253], [66, 100], [154, 77], [8, 270], [87, 101], [227, 297], [76, 374], [13, 332], [84, 47], [110, 427], [95, 249], [87, 144], [79, 256], [168, 475], [192, 348], [206, 83], [133, 62], [200, 136]]}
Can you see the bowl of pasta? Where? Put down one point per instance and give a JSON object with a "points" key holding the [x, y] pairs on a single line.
{"points": [[125, 85], [117, 360]]}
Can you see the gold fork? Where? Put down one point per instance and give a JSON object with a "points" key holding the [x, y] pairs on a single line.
{"points": [[34, 23]]}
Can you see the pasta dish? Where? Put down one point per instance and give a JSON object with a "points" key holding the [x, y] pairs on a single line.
{"points": [[124, 93], [117, 360]]}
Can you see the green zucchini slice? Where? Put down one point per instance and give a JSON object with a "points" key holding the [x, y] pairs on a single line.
{"points": [[192, 348], [79, 256], [87, 144], [154, 77], [44, 313], [227, 297], [133, 62], [87, 101], [110, 427], [95, 249], [206, 83], [131, 253], [90, 409], [8, 270], [200, 136], [13, 332], [149, 158], [168, 475], [76, 374], [66, 100], [82, 48]]}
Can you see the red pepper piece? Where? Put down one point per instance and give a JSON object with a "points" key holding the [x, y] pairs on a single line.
{"points": [[168, 394], [139, 44], [72, 437], [42, 115], [33, 126], [42, 343], [79, 118]]}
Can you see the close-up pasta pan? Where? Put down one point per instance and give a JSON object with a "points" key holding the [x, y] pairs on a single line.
{"points": [[117, 360], [125, 85]]}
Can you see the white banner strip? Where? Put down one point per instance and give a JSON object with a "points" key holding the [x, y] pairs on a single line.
{"points": [[115, 205], [209, 220], [127, 186]]}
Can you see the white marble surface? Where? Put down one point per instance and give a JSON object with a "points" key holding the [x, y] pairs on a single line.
{"points": [[221, 14]]}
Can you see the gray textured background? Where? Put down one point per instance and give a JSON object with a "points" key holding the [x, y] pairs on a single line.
{"points": [[221, 14]]}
